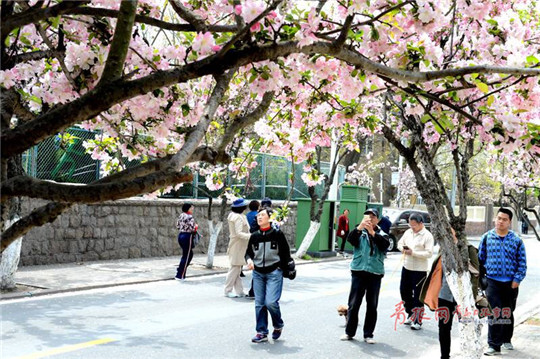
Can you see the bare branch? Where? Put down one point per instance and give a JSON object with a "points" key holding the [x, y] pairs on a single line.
{"points": [[120, 43], [32, 56], [189, 16], [90, 11], [344, 31]]}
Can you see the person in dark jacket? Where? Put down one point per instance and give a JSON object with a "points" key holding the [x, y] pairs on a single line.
{"points": [[268, 252], [502, 253], [253, 227], [343, 228], [187, 228], [385, 224], [437, 296], [252, 216], [367, 269]]}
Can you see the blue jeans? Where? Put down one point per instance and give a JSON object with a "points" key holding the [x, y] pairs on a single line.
{"points": [[186, 243], [267, 289]]}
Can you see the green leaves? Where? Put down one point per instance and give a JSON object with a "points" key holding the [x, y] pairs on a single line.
{"points": [[482, 86], [532, 60]]}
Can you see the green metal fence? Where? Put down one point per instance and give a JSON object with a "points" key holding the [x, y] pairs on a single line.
{"points": [[63, 158]]}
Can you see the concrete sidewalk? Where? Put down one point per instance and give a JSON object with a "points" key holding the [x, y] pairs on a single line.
{"points": [[58, 278]]}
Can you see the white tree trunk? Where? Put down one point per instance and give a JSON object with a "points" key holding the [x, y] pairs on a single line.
{"points": [[308, 238], [470, 326], [10, 262], [214, 233]]}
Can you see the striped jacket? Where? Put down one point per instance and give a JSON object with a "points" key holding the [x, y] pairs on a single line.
{"points": [[503, 258]]}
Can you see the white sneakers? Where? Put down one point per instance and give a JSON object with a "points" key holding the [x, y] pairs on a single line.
{"points": [[234, 295], [416, 326], [508, 346], [348, 337]]}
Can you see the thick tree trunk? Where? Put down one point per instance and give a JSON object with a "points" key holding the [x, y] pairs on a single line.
{"points": [[470, 327], [214, 234], [214, 230], [10, 262], [308, 238]]}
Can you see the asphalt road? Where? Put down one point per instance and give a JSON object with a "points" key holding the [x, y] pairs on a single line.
{"points": [[194, 320]]}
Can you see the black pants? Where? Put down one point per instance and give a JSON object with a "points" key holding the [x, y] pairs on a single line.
{"points": [[410, 293], [186, 243], [368, 284], [502, 299], [445, 327], [343, 241]]}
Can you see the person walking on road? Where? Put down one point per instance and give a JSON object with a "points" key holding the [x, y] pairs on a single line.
{"points": [[417, 247], [525, 224], [502, 253], [343, 228], [239, 237], [367, 269], [187, 228], [267, 252]]}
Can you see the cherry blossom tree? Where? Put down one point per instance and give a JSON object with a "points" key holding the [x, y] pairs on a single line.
{"points": [[446, 70]]}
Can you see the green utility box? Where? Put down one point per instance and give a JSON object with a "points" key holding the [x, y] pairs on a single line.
{"points": [[323, 240], [354, 193]]}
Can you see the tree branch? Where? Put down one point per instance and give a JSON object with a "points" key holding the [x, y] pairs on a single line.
{"points": [[91, 11], [188, 16], [127, 183], [195, 137], [59, 56], [246, 29], [245, 121], [32, 56], [11, 103], [22, 137], [120, 43], [344, 32], [34, 15], [37, 217]]}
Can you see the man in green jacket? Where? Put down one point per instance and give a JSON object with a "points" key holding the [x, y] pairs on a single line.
{"points": [[367, 269]]}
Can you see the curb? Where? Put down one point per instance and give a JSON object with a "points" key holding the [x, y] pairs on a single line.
{"points": [[27, 294]]}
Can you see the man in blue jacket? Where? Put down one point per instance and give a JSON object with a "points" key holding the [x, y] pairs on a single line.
{"points": [[367, 269], [502, 253]]}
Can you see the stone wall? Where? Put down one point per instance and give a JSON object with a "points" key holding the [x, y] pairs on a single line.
{"points": [[131, 228]]}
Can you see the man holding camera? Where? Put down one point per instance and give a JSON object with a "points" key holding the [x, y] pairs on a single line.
{"points": [[417, 247], [367, 269]]}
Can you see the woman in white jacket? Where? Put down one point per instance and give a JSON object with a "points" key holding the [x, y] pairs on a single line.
{"points": [[239, 236]]}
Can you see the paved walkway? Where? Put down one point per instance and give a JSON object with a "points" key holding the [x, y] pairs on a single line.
{"points": [[58, 278]]}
